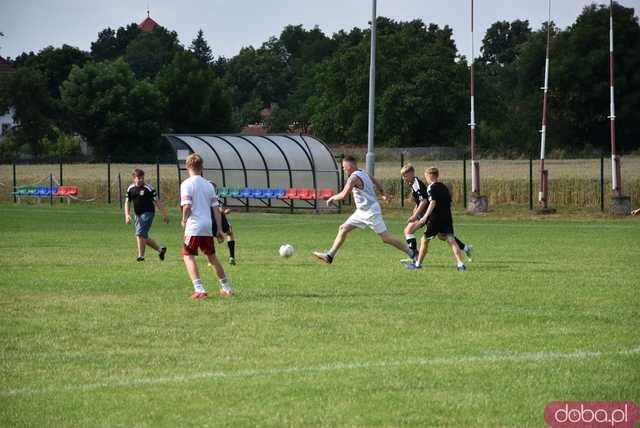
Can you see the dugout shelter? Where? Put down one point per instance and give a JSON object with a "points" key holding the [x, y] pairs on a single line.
{"points": [[291, 171]]}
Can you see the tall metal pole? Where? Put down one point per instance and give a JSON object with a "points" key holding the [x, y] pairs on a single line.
{"points": [[158, 177], [401, 181], [109, 179], [371, 157], [616, 181], [530, 182], [543, 196], [475, 167], [15, 184]]}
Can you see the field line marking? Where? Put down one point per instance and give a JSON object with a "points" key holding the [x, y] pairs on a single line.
{"points": [[489, 358]]}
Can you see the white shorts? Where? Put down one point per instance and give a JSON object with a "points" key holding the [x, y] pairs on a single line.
{"points": [[362, 219]]}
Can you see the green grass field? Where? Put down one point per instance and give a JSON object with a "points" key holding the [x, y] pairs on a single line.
{"points": [[547, 311]]}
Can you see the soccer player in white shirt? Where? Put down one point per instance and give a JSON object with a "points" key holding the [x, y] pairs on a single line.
{"points": [[367, 213], [197, 197]]}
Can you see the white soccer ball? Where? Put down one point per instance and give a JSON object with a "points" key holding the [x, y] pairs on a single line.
{"points": [[286, 250]]}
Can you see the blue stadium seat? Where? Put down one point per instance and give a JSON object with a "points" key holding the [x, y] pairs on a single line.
{"points": [[257, 193], [269, 193], [245, 193]]}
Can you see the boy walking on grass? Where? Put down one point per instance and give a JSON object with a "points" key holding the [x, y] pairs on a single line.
{"points": [[144, 199], [198, 198], [437, 218]]}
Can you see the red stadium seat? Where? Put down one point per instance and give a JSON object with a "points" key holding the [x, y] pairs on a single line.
{"points": [[292, 193], [62, 191], [307, 194], [325, 194]]}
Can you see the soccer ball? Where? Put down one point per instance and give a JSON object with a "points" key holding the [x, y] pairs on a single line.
{"points": [[286, 250]]}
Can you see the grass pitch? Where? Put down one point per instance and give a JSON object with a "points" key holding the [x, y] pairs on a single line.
{"points": [[547, 311]]}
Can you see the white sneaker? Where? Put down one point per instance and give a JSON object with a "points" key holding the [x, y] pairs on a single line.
{"points": [[226, 291]]}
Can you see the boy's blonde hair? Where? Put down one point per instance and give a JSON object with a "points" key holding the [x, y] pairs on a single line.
{"points": [[194, 162], [407, 168], [432, 171]]}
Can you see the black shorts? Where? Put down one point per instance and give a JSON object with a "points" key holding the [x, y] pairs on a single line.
{"points": [[438, 226], [226, 227]]}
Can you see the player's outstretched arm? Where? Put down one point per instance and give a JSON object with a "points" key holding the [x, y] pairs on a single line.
{"points": [[348, 186], [379, 188]]}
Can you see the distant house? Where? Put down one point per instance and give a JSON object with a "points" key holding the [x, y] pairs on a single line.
{"points": [[148, 25], [258, 127], [6, 117]]}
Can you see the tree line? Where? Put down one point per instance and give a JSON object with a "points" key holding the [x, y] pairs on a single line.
{"points": [[132, 86]]}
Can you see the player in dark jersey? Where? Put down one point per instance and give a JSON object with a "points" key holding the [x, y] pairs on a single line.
{"points": [[226, 228], [420, 196], [144, 199], [437, 218]]}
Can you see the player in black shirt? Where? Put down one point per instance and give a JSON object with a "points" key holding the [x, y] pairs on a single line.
{"points": [[438, 218], [144, 199], [419, 192]]}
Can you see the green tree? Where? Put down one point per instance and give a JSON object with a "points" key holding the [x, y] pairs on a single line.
{"points": [[197, 101], [149, 52], [54, 64], [419, 93], [499, 45], [117, 114], [201, 50], [33, 106], [113, 44], [580, 72], [260, 74]]}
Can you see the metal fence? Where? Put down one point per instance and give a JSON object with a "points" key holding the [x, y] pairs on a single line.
{"points": [[580, 183]]}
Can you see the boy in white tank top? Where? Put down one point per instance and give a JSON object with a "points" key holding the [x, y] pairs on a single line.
{"points": [[367, 213]]}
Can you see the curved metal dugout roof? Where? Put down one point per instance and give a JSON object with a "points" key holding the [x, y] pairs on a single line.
{"points": [[261, 161]]}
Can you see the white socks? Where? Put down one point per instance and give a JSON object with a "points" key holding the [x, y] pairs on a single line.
{"points": [[197, 286]]}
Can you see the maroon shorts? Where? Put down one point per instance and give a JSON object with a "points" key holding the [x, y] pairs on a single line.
{"points": [[191, 244]]}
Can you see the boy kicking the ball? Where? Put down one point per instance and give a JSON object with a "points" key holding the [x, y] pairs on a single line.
{"points": [[197, 198], [367, 213], [437, 218], [144, 199]]}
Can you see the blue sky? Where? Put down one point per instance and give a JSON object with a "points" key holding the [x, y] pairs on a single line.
{"points": [[30, 25]]}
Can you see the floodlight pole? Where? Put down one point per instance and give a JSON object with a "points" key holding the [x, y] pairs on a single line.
{"points": [[616, 180], [371, 157], [475, 167], [543, 195]]}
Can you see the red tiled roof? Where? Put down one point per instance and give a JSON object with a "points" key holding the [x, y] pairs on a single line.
{"points": [[5, 67], [148, 25]]}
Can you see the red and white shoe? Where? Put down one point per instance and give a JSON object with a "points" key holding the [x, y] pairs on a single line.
{"points": [[199, 295]]}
